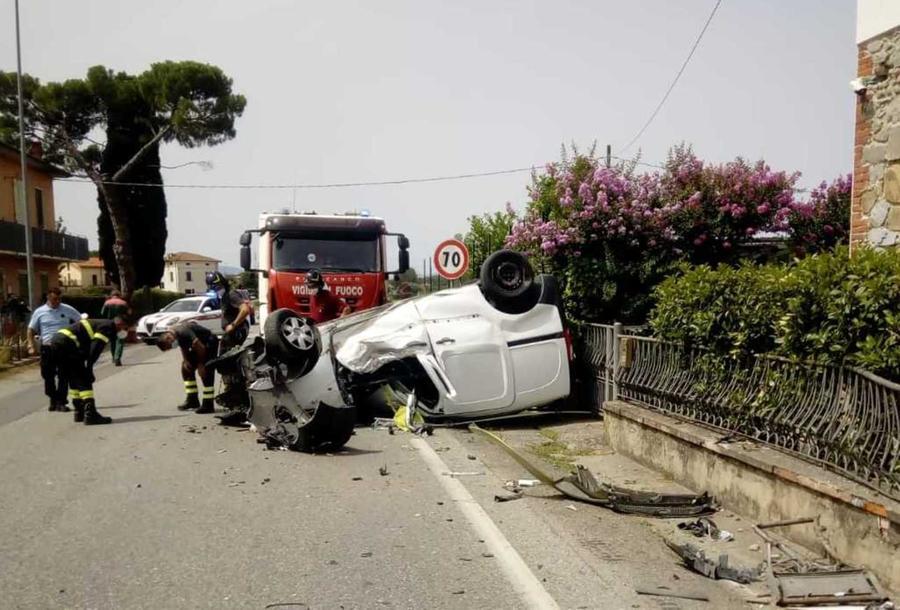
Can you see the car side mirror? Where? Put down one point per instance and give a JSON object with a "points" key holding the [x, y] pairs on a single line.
{"points": [[403, 242], [206, 309], [245, 257], [245, 238]]}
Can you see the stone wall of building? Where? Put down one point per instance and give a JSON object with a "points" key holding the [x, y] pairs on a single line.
{"points": [[876, 174]]}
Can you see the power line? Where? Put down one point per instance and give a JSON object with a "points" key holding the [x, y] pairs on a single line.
{"points": [[311, 186], [330, 185], [675, 80]]}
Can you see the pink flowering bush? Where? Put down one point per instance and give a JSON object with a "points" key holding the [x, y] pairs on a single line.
{"points": [[822, 222], [612, 235]]}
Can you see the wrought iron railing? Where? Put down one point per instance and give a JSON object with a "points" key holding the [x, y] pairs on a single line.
{"points": [[841, 417], [43, 242]]}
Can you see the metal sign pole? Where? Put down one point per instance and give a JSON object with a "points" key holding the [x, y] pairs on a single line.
{"points": [[23, 191]]}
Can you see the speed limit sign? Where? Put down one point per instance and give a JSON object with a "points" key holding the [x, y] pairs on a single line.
{"points": [[451, 259]]}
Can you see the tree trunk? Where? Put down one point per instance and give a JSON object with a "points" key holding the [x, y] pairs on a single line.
{"points": [[118, 216]]}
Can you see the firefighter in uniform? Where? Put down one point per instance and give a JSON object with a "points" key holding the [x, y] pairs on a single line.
{"points": [[326, 305], [198, 346], [76, 348], [235, 310]]}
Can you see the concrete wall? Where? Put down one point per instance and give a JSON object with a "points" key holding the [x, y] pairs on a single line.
{"points": [[46, 275], [860, 527], [875, 210], [9, 174]]}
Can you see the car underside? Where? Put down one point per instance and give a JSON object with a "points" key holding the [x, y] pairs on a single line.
{"points": [[496, 347]]}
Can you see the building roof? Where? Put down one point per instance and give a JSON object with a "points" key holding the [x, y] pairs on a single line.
{"points": [[176, 257], [33, 162], [93, 261]]}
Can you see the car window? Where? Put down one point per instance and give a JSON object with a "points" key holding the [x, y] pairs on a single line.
{"points": [[182, 306], [211, 303]]}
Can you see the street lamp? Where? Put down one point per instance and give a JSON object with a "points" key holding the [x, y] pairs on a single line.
{"points": [[23, 191]]}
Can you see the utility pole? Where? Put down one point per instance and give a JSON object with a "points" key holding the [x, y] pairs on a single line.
{"points": [[23, 191], [608, 156]]}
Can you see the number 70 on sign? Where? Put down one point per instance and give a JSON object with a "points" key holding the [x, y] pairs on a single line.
{"points": [[451, 259]]}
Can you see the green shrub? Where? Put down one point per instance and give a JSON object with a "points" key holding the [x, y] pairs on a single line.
{"points": [[727, 310], [828, 308], [845, 309]]}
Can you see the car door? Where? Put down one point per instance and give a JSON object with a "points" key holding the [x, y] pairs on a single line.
{"points": [[211, 318], [474, 359]]}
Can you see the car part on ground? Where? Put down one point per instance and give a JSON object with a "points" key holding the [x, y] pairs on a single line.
{"points": [[842, 587], [718, 569], [583, 486], [507, 281]]}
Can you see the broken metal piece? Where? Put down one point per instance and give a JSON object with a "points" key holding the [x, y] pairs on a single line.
{"points": [[508, 497], [583, 486], [705, 526], [663, 591], [718, 569], [841, 586], [765, 526]]}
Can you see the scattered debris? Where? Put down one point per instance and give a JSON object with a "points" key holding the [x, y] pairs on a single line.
{"points": [[765, 526], [696, 560], [265, 480], [366, 554], [664, 591], [222, 451], [138, 486], [515, 484], [357, 478], [471, 457], [571, 507], [754, 548], [459, 592], [463, 474], [816, 588], [465, 559], [704, 527], [508, 497], [488, 555], [383, 471], [584, 487]]}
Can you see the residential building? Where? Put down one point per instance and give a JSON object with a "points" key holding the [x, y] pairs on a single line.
{"points": [[875, 211], [84, 274], [186, 272], [49, 246]]}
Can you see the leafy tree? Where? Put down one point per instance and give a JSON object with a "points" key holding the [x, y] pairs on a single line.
{"points": [[185, 102], [487, 233], [249, 280]]}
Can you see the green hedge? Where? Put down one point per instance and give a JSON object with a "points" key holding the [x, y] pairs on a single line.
{"points": [[828, 308], [142, 303]]}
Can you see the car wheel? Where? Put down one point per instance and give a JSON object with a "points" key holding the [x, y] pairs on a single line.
{"points": [[507, 281], [292, 340]]}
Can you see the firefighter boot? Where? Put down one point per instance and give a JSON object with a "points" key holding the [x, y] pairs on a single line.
{"points": [[190, 397], [92, 417], [78, 407], [207, 406]]}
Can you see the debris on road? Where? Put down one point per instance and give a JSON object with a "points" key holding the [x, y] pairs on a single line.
{"points": [[664, 591], [571, 507], [383, 471], [463, 474], [471, 457], [584, 487], [508, 497], [515, 484], [704, 527], [357, 478], [818, 588], [765, 526], [718, 569]]}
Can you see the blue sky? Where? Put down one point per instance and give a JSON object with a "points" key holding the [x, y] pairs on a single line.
{"points": [[357, 91]]}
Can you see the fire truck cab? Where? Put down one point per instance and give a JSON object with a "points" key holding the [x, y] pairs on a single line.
{"points": [[349, 250]]}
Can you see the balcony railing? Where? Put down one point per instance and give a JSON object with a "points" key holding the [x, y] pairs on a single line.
{"points": [[43, 243]]}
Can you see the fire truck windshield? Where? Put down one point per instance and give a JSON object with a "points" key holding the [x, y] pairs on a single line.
{"points": [[358, 255]]}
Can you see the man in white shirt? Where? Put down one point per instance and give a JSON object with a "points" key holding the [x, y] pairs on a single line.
{"points": [[46, 320]]}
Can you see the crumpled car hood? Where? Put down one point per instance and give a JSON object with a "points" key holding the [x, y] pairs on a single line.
{"points": [[392, 334]]}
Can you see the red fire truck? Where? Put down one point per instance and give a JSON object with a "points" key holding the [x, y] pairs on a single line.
{"points": [[349, 250]]}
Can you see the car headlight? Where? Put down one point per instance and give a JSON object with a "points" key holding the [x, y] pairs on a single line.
{"points": [[170, 321]]}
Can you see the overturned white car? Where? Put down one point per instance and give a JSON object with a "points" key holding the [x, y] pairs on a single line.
{"points": [[493, 348]]}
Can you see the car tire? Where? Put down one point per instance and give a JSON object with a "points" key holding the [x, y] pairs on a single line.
{"points": [[292, 340], [329, 435], [508, 283]]}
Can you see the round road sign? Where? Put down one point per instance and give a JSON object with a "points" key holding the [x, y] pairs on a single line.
{"points": [[451, 259]]}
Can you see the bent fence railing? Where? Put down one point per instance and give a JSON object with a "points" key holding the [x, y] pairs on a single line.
{"points": [[841, 417]]}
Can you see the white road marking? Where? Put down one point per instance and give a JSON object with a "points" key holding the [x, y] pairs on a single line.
{"points": [[520, 576]]}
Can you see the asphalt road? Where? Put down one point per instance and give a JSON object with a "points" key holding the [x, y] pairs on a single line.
{"points": [[163, 509]]}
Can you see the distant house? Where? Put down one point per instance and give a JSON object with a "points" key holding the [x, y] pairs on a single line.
{"points": [[875, 211], [49, 246], [84, 274], [185, 272]]}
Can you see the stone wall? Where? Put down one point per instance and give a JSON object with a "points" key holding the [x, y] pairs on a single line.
{"points": [[875, 218]]}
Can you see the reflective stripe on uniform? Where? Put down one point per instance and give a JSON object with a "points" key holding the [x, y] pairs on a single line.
{"points": [[86, 394], [101, 337], [68, 333], [209, 392], [88, 327], [74, 394], [190, 387]]}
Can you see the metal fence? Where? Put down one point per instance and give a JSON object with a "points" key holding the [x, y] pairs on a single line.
{"points": [[841, 417], [43, 242]]}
